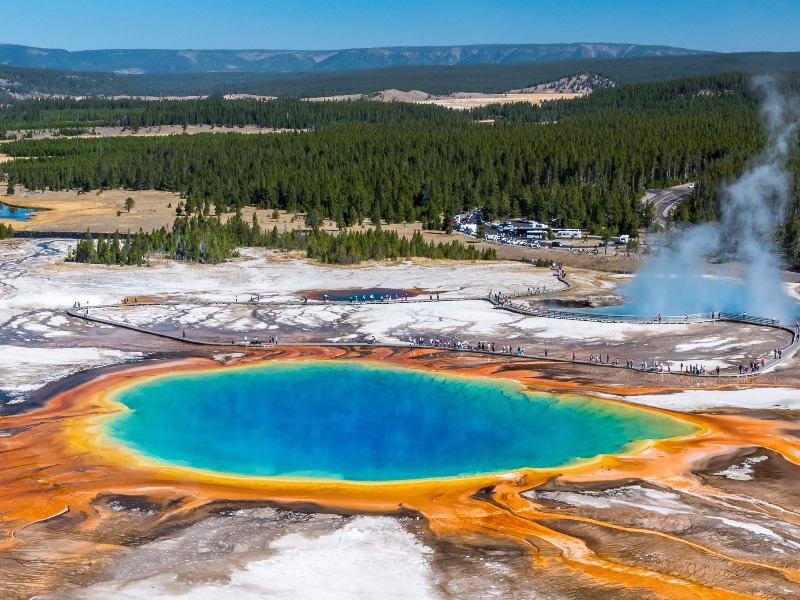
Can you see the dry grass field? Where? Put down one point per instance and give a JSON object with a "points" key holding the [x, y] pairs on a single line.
{"points": [[459, 100], [69, 211]]}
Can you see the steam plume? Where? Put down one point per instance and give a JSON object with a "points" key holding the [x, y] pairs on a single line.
{"points": [[676, 280]]}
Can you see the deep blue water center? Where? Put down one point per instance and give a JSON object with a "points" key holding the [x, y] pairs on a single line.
{"points": [[15, 214], [366, 422]]}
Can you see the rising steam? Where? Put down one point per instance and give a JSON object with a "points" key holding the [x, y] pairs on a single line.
{"points": [[676, 281]]}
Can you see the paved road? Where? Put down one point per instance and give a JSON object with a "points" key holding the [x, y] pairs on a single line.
{"points": [[665, 200]]}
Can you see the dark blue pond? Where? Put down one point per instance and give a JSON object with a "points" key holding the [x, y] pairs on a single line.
{"points": [[362, 295]]}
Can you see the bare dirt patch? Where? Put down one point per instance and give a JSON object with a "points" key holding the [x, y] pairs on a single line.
{"points": [[160, 130]]}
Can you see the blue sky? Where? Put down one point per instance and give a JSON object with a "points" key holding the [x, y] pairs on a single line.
{"points": [[723, 25]]}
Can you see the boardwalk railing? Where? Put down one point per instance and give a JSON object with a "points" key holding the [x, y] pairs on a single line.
{"points": [[83, 313], [743, 318], [505, 303], [575, 315]]}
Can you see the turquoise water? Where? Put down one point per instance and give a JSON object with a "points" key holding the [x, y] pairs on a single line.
{"points": [[363, 422], [15, 214]]}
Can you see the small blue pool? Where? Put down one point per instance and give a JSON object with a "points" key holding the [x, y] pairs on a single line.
{"points": [[362, 295], [14, 213]]}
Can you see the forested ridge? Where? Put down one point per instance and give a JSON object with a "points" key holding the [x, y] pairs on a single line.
{"points": [[578, 163], [431, 79], [69, 116], [583, 163]]}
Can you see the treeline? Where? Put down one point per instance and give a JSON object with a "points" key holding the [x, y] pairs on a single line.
{"points": [[397, 173], [209, 240], [6, 231], [114, 249], [582, 163], [706, 128], [353, 247], [70, 117], [19, 82]]}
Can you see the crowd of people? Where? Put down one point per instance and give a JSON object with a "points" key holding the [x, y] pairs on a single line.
{"points": [[654, 366], [271, 341], [453, 344], [752, 367], [504, 298]]}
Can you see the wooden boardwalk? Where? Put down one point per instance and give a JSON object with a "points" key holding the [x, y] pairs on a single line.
{"points": [[84, 313]]}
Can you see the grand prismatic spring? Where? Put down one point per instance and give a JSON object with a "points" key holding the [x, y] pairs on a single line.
{"points": [[365, 422], [475, 446]]}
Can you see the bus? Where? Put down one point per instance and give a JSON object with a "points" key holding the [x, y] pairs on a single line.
{"points": [[567, 233]]}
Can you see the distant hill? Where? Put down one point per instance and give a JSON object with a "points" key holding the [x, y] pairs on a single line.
{"points": [[20, 83], [132, 62]]}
